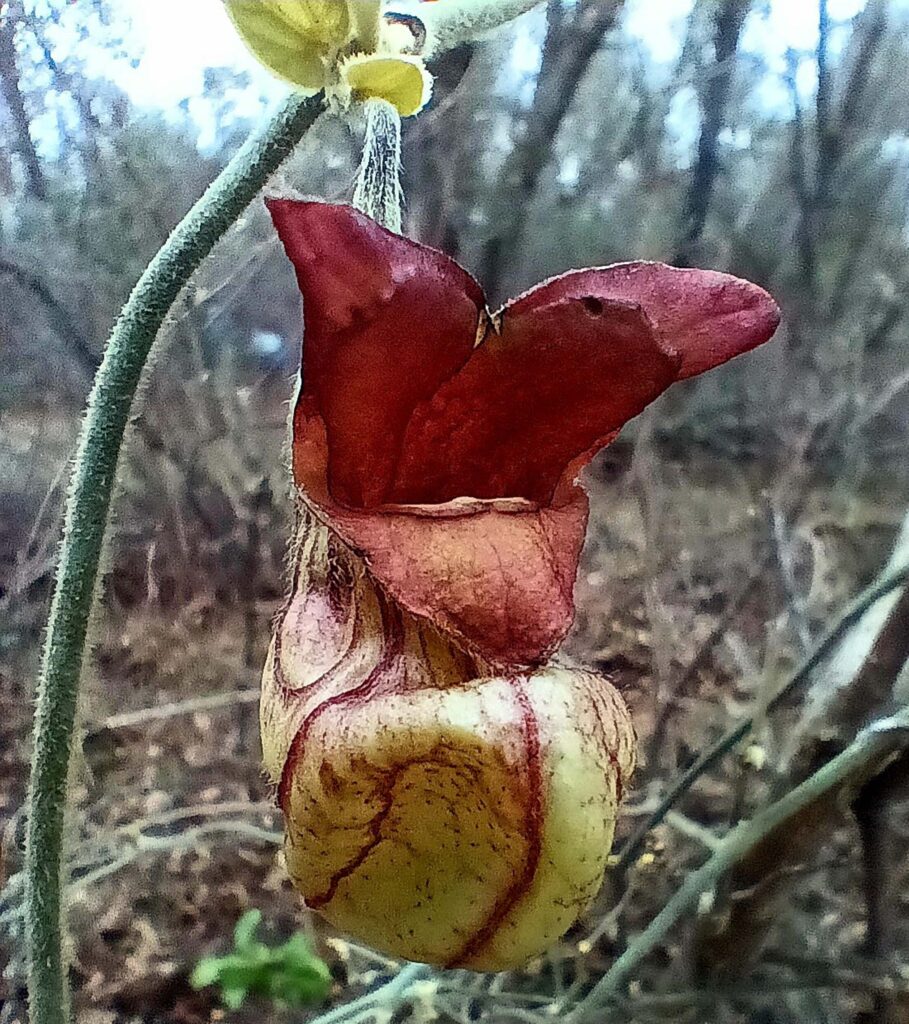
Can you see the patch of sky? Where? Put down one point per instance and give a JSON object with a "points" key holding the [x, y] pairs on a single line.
{"points": [[170, 43], [267, 343]]}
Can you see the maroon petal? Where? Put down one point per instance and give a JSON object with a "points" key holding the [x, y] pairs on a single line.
{"points": [[443, 445], [561, 376], [387, 321], [707, 317], [498, 575]]}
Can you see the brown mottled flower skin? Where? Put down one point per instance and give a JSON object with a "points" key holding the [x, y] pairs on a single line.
{"points": [[436, 810], [449, 793]]}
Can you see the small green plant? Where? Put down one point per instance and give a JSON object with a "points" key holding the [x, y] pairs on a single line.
{"points": [[291, 975]]}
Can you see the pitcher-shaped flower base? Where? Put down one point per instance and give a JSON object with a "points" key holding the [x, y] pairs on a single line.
{"points": [[436, 811]]}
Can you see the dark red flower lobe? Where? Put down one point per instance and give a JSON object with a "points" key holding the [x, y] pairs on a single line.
{"points": [[443, 443]]}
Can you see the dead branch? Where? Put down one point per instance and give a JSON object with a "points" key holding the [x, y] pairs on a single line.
{"points": [[857, 686], [728, 23], [880, 588], [212, 702], [59, 317], [12, 93], [571, 44], [874, 748]]}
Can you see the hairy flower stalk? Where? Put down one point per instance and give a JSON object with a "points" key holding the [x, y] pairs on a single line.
{"points": [[378, 192], [449, 793]]}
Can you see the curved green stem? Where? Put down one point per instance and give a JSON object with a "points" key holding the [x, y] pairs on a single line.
{"points": [[86, 519], [387, 997]]}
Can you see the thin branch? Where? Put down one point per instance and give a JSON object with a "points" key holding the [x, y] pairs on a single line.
{"points": [[801, 185], [874, 811], [811, 445], [756, 886], [827, 137], [387, 997], [874, 745], [871, 26], [714, 102], [214, 701], [670, 705], [567, 54], [12, 93], [89, 871], [880, 588], [783, 553], [89, 848], [693, 830], [858, 682], [59, 316], [827, 977]]}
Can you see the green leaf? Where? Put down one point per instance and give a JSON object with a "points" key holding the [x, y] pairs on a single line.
{"points": [[233, 998], [245, 930], [205, 973], [290, 974]]}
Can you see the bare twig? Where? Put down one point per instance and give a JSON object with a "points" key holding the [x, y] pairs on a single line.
{"points": [[378, 1002], [783, 552], [884, 585], [876, 744], [59, 317], [134, 829], [727, 27], [12, 93], [693, 830], [856, 686], [567, 53], [670, 705], [214, 701], [812, 444], [115, 860], [801, 185], [827, 140], [873, 813], [882, 396], [858, 682]]}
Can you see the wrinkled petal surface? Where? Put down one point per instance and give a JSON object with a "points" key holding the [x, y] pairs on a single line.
{"points": [[557, 380], [387, 323], [498, 575], [705, 316], [443, 443]]}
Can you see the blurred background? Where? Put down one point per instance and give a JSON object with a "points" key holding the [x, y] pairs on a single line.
{"points": [[730, 525]]}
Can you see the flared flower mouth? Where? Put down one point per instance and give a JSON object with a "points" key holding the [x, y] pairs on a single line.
{"points": [[345, 47], [443, 442]]}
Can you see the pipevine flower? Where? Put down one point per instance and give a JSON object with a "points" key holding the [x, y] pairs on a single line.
{"points": [[357, 50], [343, 46], [449, 794]]}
